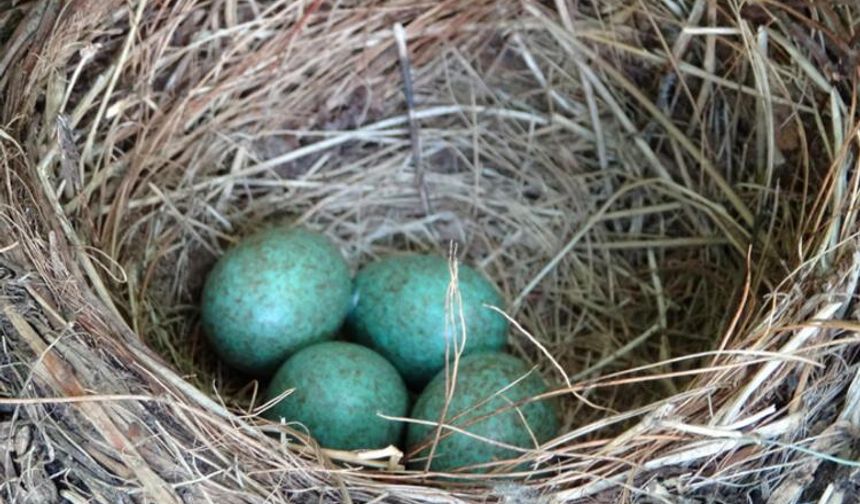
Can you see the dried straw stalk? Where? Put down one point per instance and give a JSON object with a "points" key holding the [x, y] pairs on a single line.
{"points": [[665, 191]]}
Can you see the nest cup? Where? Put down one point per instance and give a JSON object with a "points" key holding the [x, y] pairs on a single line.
{"points": [[664, 192]]}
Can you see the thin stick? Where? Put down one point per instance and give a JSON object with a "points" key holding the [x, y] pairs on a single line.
{"points": [[406, 73]]}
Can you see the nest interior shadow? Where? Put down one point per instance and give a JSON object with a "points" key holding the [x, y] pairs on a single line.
{"points": [[644, 184]]}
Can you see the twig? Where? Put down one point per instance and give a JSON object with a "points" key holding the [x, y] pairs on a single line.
{"points": [[406, 73], [69, 158]]}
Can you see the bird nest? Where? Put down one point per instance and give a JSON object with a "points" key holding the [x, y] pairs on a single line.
{"points": [[665, 191]]}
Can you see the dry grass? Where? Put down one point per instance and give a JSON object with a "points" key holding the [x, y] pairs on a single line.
{"points": [[663, 190]]}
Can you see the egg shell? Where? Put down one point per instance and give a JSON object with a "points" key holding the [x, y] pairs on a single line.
{"points": [[274, 293], [339, 389], [400, 311], [479, 378]]}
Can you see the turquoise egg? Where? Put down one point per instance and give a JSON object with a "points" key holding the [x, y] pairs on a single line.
{"points": [[339, 388], [274, 293], [400, 310], [481, 407]]}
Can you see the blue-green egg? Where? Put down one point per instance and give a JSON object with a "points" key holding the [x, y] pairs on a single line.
{"points": [[338, 390], [487, 387], [400, 310], [274, 293]]}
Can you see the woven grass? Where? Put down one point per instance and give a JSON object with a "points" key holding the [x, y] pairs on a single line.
{"points": [[665, 191]]}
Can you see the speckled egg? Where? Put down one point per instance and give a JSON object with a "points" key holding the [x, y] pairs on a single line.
{"points": [[274, 293], [400, 310], [474, 409], [339, 388]]}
